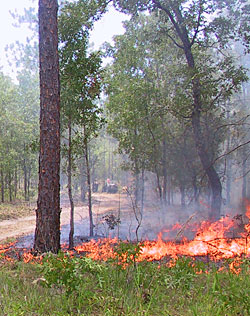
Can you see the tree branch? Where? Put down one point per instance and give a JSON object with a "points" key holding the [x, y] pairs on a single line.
{"points": [[231, 151], [197, 27]]}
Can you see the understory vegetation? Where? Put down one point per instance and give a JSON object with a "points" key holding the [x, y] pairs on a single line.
{"points": [[65, 285]]}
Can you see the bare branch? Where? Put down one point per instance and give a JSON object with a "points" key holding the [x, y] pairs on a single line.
{"points": [[197, 27], [231, 151]]}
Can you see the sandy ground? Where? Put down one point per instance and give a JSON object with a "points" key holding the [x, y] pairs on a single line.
{"points": [[102, 203], [154, 220]]}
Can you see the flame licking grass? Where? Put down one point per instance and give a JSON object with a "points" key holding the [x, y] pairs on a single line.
{"points": [[4, 248], [216, 241]]}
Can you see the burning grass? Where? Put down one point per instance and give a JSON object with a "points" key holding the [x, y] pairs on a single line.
{"points": [[214, 241]]}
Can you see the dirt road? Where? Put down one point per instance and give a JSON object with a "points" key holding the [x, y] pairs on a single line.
{"points": [[154, 221], [102, 203]]}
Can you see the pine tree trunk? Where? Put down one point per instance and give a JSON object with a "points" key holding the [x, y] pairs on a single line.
{"points": [[25, 180], [182, 190], [47, 233], [15, 182]]}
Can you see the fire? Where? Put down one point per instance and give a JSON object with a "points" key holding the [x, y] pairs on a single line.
{"points": [[247, 205], [228, 238], [98, 250], [216, 240]]}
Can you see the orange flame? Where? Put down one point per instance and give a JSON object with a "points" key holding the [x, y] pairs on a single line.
{"points": [[215, 240]]}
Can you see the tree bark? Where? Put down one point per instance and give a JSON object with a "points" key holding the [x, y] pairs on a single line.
{"points": [[15, 182], [2, 187], [25, 173], [91, 223], [83, 181], [10, 185], [164, 169], [71, 233], [47, 233]]}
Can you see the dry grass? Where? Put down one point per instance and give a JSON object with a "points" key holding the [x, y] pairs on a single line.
{"points": [[16, 210]]}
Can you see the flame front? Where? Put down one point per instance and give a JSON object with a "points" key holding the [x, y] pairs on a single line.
{"points": [[212, 239], [224, 239]]}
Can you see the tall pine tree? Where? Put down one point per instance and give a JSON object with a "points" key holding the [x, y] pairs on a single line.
{"points": [[47, 233]]}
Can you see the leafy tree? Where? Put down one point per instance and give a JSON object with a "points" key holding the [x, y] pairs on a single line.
{"points": [[9, 135], [28, 116], [140, 102], [194, 27], [81, 77]]}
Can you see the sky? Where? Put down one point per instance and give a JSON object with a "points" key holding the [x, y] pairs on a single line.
{"points": [[104, 30]]}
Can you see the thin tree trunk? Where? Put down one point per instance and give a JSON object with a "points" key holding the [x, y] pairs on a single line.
{"points": [[25, 180], [214, 180], [199, 138], [28, 184], [158, 181], [10, 186], [71, 233], [47, 233], [15, 182], [2, 186], [182, 190], [83, 182], [170, 191], [164, 169], [91, 224], [196, 191]]}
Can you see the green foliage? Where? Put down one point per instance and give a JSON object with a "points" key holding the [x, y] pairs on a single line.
{"points": [[80, 75], [226, 292], [21, 115], [19, 128], [67, 272], [126, 253], [80, 71], [182, 274], [167, 85], [98, 288]]}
